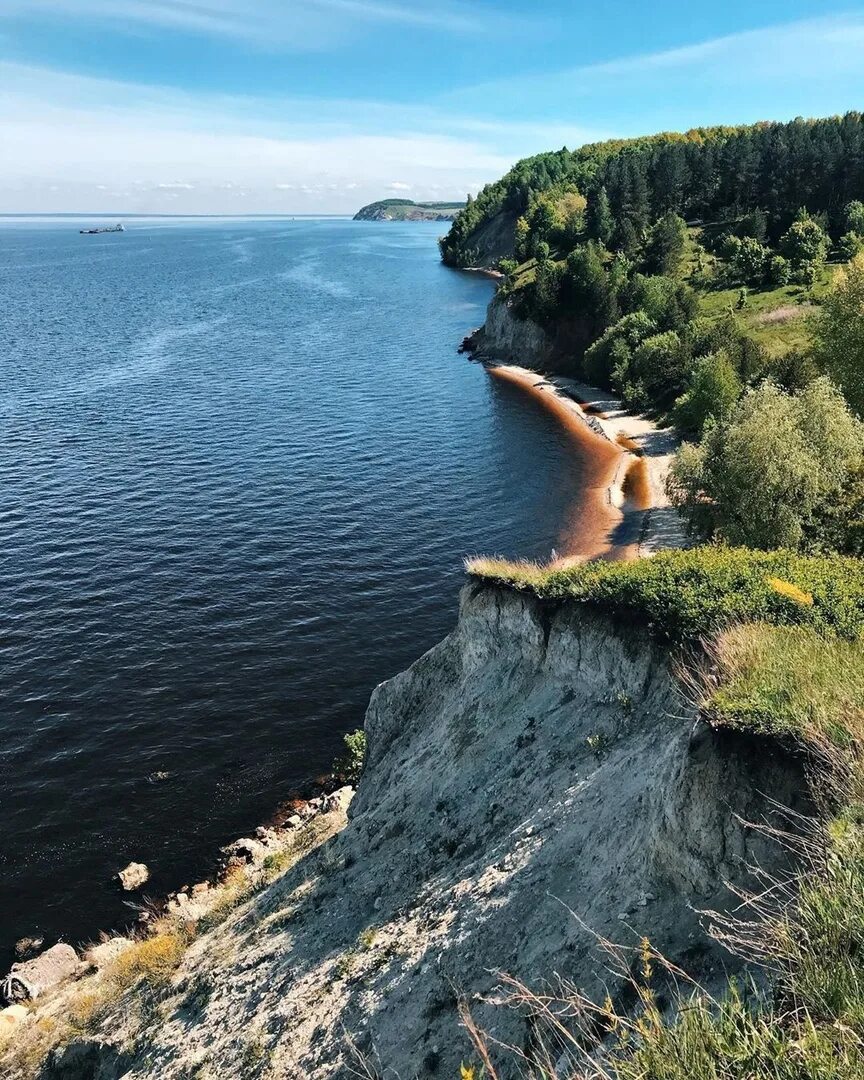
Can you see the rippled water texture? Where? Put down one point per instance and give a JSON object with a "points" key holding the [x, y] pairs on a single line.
{"points": [[240, 465]]}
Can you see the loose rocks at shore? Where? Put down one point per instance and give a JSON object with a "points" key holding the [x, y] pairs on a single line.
{"points": [[134, 876]]}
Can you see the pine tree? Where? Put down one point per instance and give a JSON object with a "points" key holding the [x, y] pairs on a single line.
{"points": [[599, 223]]}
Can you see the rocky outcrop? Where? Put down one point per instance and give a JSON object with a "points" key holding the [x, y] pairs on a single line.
{"points": [[512, 340], [535, 780], [134, 876]]}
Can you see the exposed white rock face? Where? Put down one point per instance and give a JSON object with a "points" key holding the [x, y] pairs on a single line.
{"points": [[134, 876], [539, 762], [106, 952], [516, 341]]}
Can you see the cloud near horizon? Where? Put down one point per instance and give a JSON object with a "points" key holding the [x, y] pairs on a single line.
{"points": [[69, 137], [77, 142]]}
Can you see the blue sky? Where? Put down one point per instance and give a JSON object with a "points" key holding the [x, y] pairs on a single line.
{"points": [[234, 106]]}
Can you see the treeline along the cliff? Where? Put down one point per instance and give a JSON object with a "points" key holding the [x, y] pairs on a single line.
{"points": [[692, 275], [706, 172]]}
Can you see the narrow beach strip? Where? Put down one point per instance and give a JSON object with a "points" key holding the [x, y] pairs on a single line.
{"points": [[625, 512]]}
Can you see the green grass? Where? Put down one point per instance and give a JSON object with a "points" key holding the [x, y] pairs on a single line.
{"points": [[778, 338], [790, 681], [683, 595]]}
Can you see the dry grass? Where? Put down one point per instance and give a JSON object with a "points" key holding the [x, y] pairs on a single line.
{"points": [[520, 573], [153, 960]]}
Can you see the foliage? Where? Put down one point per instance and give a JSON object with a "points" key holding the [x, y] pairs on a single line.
{"points": [[853, 217], [713, 390], [685, 595], [761, 174], [849, 245], [600, 224], [666, 245], [804, 243], [839, 332], [612, 351], [766, 476], [349, 767]]}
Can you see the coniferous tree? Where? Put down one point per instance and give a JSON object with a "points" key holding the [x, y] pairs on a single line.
{"points": [[599, 223]]}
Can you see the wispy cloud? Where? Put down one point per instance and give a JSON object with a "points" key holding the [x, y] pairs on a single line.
{"points": [[88, 136], [810, 66], [296, 23]]}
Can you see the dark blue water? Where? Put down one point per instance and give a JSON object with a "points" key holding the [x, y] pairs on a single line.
{"points": [[240, 465]]}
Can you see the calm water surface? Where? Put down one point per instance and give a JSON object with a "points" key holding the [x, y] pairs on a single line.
{"points": [[240, 465]]}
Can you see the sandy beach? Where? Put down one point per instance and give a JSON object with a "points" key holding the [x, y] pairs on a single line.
{"points": [[625, 512]]}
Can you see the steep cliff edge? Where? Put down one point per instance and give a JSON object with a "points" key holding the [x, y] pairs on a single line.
{"points": [[541, 761]]}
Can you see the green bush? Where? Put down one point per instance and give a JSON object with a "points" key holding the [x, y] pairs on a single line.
{"points": [[772, 473], [349, 767]]}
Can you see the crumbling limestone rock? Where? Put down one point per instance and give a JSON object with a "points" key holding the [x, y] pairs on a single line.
{"points": [[10, 1017], [338, 800], [27, 980], [99, 956], [246, 850], [134, 876]]}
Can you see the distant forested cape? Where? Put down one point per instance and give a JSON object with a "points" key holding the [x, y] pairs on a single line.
{"points": [[407, 210], [712, 172]]}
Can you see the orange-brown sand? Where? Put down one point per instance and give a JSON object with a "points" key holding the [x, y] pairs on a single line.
{"points": [[588, 526]]}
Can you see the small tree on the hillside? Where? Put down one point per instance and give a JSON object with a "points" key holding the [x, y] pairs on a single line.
{"points": [[713, 391], [838, 331], [666, 245], [754, 225], [853, 217], [522, 239], [849, 245], [770, 475], [599, 221], [805, 244], [752, 261]]}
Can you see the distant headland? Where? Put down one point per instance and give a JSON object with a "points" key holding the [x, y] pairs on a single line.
{"points": [[406, 210]]}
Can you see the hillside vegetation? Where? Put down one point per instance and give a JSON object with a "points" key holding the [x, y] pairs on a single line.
{"points": [[716, 280]]}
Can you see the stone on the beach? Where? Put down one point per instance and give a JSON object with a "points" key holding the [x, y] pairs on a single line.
{"points": [[27, 980], [338, 800], [245, 850], [99, 956], [134, 876]]}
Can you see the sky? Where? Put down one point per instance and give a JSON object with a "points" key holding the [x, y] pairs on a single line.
{"points": [[320, 106]]}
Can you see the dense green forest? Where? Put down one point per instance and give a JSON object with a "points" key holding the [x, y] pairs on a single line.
{"points": [[715, 279]]}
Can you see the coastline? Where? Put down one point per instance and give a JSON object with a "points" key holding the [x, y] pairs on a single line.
{"points": [[639, 519]]}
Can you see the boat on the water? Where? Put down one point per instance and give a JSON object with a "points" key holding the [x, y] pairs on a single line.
{"points": [[103, 228]]}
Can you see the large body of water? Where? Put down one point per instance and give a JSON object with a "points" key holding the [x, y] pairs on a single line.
{"points": [[240, 465]]}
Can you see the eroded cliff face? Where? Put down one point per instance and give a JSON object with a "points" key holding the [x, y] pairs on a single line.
{"points": [[516, 341], [539, 763]]}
